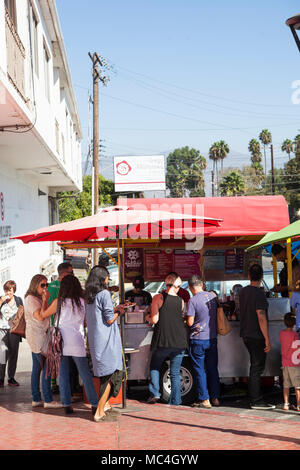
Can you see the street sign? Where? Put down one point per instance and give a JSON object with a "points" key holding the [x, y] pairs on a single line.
{"points": [[139, 173]]}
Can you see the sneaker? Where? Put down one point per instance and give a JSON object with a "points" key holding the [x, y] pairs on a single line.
{"points": [[152, 400], [13, 383], [52, 404], [35, 404], [261, 405]]}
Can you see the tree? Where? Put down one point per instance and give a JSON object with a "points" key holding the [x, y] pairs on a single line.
{"points": [[288, 147], [233, 184], [266, 138], [223, 152], [256, 157], [185, 172]]}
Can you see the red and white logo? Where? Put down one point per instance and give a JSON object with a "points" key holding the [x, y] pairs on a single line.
{"points": [[123, 168], [2, 206]]}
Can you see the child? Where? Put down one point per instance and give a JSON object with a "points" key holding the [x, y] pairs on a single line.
{"points": [[290, 360], [295, 299]]}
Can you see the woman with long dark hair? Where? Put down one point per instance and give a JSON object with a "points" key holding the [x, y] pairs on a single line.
{"points": [[36, 328], [104, 337], [71, 325]]}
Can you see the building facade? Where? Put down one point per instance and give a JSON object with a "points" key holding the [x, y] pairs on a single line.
{"points": [[40, 134]]}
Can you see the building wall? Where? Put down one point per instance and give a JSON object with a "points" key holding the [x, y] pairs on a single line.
{"points": [[22, 210], [54, 141]]}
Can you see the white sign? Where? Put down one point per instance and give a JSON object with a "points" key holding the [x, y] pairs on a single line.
{"points": [[141, 173]]}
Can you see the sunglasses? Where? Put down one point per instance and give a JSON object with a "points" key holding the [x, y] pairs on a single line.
{"points": [[44, 284]]}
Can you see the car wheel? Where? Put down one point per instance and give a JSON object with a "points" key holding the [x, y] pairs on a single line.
{"points": [[187, 387]]}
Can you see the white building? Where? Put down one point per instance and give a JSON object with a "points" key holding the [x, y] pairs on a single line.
{"points": [[40, 133]]}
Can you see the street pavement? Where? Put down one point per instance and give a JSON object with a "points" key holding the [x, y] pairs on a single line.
{"points": [[141, 426]]}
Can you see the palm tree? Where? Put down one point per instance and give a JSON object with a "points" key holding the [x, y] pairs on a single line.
{"points": [[288, 147], [266, 138], [214, 156], [233, 184], [254, 147], [223, 151]]}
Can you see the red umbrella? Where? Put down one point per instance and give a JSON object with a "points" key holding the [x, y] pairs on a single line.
{"points": [[124, 222]]}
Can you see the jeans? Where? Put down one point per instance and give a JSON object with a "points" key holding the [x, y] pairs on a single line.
{"points": [[12, 343], [257, 365], [204, 356], [158, 357], [35, 380], [84, 372]]}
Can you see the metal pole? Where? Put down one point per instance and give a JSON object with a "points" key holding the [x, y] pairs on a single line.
{"points": [[95, 141], [122, 301], [272, 169]]}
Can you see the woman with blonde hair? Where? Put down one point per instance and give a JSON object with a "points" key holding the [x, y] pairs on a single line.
{"points": [[35, 335], [295, 299]]}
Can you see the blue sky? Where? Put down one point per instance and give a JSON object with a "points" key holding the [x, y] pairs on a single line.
{"points": [[185, 73]]}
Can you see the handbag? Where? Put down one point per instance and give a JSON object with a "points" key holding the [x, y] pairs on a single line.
{"points": [[52, 347], [223, 325], [18, 324]]}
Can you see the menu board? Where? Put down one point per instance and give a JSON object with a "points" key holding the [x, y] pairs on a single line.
{"points": [[234, 261], [187, 263], [158, 263], [133, 263]]}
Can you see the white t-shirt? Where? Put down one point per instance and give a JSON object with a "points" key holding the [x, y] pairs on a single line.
{"points": [[71, 325]]}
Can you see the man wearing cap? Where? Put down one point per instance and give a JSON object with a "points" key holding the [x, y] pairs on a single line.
{"points": [[137, 294], [280, 254]]}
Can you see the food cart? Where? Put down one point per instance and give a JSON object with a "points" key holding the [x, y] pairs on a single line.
{"points": [[217, 254]]}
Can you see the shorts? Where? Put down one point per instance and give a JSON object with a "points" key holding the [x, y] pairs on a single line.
{"points": [[291, 377]]}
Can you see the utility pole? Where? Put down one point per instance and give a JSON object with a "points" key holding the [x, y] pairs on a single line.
{"points": [[272, 170], [97, 65]]}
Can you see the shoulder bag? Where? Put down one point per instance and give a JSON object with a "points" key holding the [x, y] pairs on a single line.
{"points": [[223, 325], [18, 323], [53, 346]]}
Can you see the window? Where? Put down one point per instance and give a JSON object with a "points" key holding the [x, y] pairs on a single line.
{"points": [[34, 38], [46, 71]]}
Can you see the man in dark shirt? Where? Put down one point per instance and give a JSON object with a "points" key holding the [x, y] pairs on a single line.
{"points": [[254, 331], [137, 294], [280, 254]]}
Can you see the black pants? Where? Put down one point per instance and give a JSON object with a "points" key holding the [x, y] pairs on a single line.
{"points": [[12, 343], [257, 365]]}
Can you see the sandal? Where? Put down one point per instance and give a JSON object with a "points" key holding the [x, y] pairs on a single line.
{"points": [[97, 420], [286, 406]]}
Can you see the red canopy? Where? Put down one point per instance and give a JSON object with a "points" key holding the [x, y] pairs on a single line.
{"points": [[241, 215]]}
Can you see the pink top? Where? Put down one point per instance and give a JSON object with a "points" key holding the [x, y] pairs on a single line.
{"points": [[290, 346]]}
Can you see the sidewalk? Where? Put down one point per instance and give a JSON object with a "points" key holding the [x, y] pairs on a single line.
{"points": [[141, 426]]}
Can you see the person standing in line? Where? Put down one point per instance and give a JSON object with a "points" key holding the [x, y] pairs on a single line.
{"points": [[63, 269], [169, 339], [9, 304], [35, 336], [255, 334], [71, 326], [202, 320], [103, 337], [295, 299], [290, 361]]}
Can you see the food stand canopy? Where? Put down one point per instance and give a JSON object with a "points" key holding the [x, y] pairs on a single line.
{"points": [[242, 216]]}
